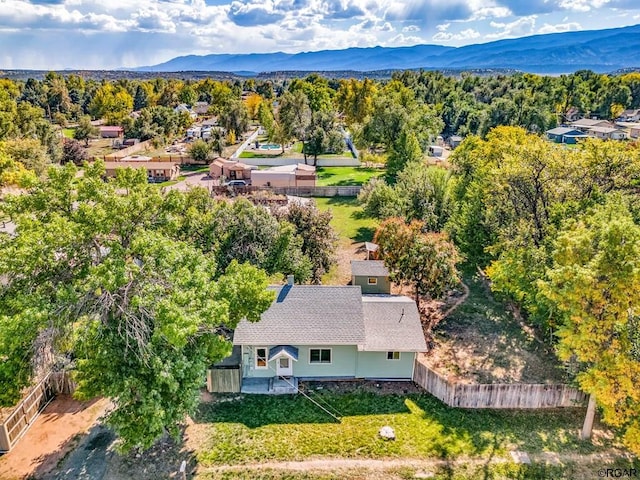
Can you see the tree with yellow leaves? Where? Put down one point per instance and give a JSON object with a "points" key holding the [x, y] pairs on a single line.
{"points": [[594, 287]]}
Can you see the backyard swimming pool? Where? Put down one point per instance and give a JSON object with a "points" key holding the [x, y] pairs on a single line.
{"points": [[270, 146]]}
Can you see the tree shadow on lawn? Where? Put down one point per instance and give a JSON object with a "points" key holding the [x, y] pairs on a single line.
{"points": [[364, 234], [422, 423], [256, 411], [554, 430]]}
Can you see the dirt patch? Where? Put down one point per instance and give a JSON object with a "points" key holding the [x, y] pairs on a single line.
{"points": [[52, 436], [346, 251], [483, 341]]}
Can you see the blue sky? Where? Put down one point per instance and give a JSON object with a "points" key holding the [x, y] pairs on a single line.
{"points": [[93, 34]]}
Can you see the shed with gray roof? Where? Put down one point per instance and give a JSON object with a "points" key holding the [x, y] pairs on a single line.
{"points": [[371, 275]]}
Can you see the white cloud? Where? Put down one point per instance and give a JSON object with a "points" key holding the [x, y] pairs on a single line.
{"points": [[560, 27], [401, 39], [582, 5], [443, 27], [411, 28], [468, 34], [520, 27]]}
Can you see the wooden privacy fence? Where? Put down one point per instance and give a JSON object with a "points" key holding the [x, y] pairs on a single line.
{"points": [[224, 380], [346, 191], [125, 152], [23, 415], [497, 395]]}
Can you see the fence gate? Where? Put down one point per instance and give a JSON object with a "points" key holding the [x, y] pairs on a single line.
{"points": [[19, 421]]}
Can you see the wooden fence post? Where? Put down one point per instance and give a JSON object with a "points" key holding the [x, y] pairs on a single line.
{"points": [[587, 427]]}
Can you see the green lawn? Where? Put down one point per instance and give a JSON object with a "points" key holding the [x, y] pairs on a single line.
{"points": [[68, 132], [328, 176], [194, 168], [255, 154], [349, 221], [258, 428]]}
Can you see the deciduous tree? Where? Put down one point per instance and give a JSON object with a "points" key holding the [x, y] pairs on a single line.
{"points": [[139, 313], [427, 261], [594, 286]]}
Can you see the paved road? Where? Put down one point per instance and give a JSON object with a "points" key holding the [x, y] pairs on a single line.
{"points": [[245, 144]]}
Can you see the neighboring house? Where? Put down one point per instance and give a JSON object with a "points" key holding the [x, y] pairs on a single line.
{"points": [[299, 175], [630, 115], [156, 171], [184, 108], [435, 151], [584, 124], [572, 114], [607, 133], [201, 108], [316, 332], [632, 129], [111, 131], [454, 141], [565, 135], [371, 275], [230, 169], [194, 132]]}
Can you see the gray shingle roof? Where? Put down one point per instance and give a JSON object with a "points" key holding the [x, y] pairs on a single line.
{"points": [[588, 122], [562, 131], [392, 323], [368, 268], [307, 315]]}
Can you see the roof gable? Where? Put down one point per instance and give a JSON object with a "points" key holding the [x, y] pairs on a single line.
{"points": [[392, 323], [369, 268], [307, 315]]}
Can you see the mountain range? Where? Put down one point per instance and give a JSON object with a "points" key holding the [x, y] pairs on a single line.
{"points": [[554, 53]]}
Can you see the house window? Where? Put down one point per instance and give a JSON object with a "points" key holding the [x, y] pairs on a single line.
{"points": [[393, 355], [372, 281], [261, 357], [320, 355]]}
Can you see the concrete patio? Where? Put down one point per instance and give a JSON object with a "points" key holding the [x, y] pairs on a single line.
{"points": [[270, 386]]}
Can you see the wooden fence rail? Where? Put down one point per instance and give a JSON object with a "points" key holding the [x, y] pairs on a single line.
{"points": [[496, 395], [23, 415]]}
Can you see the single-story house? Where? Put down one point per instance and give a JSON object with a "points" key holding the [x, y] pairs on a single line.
{"points": [[299, 175], [565, 135], [184, 108], [371, 275], [607, 133], [318, 332], [572, 114], [230, 169], [111, 131], [436, 150], [156, 171], [584, 124], [194, 132], [632, 115], [201, 108], [632, 129], [454, 141]]}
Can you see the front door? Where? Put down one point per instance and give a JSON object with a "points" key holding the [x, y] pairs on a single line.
{"points": [[284, 367]]}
